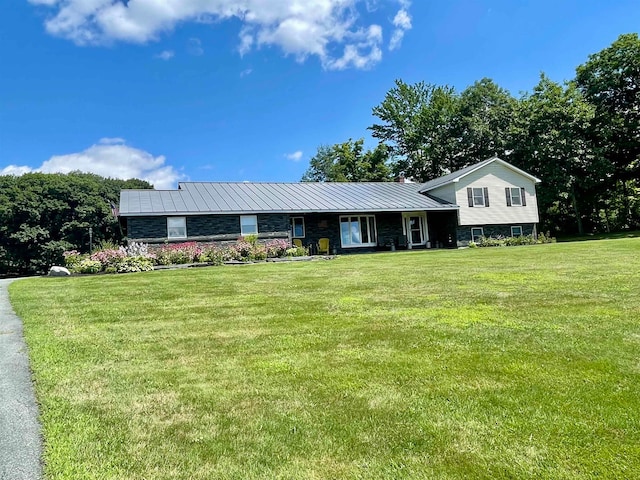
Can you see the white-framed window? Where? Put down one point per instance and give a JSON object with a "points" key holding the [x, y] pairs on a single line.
{"points": [[176, 227], [515, 197], [358, 231], [476, 234], [297, 227], [478, 196], [516, 231], [248, 225]]}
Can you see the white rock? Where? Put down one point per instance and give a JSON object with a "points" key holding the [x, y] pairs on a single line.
{"points": [[59, 272]]}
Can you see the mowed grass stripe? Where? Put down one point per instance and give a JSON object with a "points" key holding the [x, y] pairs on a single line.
{"points": [[516, 362]]}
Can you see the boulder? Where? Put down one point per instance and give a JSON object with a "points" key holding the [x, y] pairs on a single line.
{"points": [[59, 272]]}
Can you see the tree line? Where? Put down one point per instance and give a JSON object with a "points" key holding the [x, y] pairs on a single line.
{"points": [[582, 138], [42, 215]]}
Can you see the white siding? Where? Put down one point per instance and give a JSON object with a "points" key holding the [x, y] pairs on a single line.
{"points": [[496, 178], [446, 193]]}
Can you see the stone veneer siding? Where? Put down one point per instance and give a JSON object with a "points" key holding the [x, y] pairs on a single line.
{"points": [[319, 225], [203, 226], [464, 233]]}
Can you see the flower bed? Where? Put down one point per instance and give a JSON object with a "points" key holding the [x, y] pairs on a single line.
{"points": [[137, 257], [501, 241]]}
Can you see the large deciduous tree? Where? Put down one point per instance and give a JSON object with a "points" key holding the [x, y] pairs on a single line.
{"points": [[610, 81], [481, 124], [348, 162], [42, 215], [415, 123], [550, 139]]}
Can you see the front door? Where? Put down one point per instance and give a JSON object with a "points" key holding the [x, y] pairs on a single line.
{"points": [[415, 228]]}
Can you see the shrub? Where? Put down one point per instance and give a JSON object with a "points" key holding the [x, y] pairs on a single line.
{"points": [[521, 240], [72, 258], [178, 253], [473, 244], [258, 252], [491, 241], [277, 248], [133, 264], [252, 239], [88, 266], [107, 245], [297, 252], [137, 249], [242, 249], [214, 255], [108, 258]]}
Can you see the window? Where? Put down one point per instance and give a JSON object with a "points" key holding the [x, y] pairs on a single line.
{"points": [[516, 231], [476, 234], [248, 225], [478, 196], [176, 227], [515, 197], [297, 227], [358, 231]]}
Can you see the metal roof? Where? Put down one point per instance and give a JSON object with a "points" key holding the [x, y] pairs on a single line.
{"points": [[194, 198], [458, 174]]}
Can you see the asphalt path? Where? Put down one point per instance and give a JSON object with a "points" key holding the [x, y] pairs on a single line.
{"points": [[20, 440]]}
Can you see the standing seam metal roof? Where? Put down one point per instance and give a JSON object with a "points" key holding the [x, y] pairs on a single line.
{"points": [[193, 198]]}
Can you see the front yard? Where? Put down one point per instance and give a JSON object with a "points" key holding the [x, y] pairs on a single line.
{"points": [[519, 362]]}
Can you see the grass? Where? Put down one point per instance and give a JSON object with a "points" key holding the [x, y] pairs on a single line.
{"points": [[517, 362]]}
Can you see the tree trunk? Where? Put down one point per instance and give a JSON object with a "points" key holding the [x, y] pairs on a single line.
{"points": [[574, 202]]}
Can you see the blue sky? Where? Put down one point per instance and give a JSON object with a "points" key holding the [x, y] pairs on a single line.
{"points": [[235, 90]]}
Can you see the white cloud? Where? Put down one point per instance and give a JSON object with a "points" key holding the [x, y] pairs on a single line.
{"points": [[110, 157], [300, 28], [402, 22], [15, 170], [295, 156], [246, 72], [194, 47], [165, 55], [111, 140]]}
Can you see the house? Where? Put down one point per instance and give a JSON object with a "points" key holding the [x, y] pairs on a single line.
{"points": [[495, 199], [488, 198]]}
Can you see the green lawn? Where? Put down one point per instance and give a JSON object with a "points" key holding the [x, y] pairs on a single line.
{"points": [[519, 362]]}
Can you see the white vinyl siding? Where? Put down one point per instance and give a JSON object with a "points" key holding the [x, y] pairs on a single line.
{"points": [[496, 178], [446, 192]]}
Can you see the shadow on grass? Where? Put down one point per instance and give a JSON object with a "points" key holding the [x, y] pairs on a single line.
{"points": [[600, 236]]}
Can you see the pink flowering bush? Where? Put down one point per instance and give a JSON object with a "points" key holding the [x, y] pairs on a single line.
{"points": [[277, 248], [179, 253], [108, 258]]}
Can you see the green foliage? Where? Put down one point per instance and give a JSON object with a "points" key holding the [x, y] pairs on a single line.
{"points": [[348, 162], [610, 81], [251, 239], [551, 141], [297, 252], [501, 241], [87, 266], [416, 122], [133, 264], [580, 138], [42, 215]]}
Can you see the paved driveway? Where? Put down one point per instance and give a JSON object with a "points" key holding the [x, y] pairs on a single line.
{"points": [[20, 442]]}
